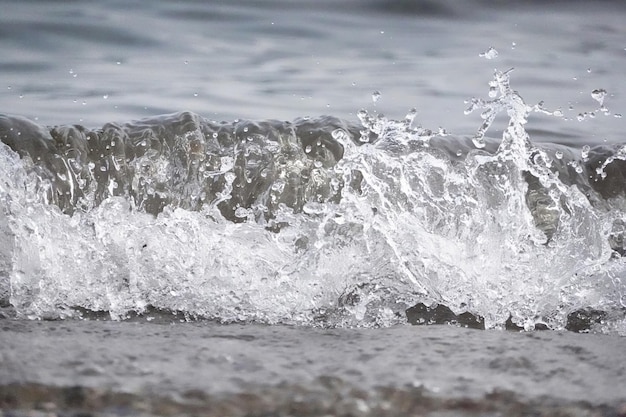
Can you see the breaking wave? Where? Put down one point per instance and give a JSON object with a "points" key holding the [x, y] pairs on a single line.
{"points": [[318, 221]]}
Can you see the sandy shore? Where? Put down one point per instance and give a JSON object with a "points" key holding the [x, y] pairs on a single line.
{"points": [[103, 368]]}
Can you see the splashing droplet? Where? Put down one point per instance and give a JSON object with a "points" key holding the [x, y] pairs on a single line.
{"points": [[479, 141], [339, 135], [410, 116], [599, 95], [584, 152], [376, 96], [490, 53], [241, 212]]}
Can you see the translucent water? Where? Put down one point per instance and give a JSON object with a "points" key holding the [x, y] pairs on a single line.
{"points": [[316, 222], [513, 213]]}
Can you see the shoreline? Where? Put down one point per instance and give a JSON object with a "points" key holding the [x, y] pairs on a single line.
{"points": [[105, 368], [330, 396]]}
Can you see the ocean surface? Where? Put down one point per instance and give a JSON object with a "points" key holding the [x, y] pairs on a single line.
{"points": [[284, 170]]}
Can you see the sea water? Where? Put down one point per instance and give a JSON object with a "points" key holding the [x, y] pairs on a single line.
{"points": [[281, 215], [302, 171]]}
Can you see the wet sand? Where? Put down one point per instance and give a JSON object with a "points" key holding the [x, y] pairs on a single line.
{"points": [[105, 368]]}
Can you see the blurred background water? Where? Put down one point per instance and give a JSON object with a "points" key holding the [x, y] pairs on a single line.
{"points": [[93, 62]]}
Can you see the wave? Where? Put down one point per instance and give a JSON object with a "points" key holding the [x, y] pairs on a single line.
{"points": [[318, 221]]}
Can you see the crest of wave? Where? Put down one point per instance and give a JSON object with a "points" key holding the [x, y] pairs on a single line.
{"points": [[496, 234]]}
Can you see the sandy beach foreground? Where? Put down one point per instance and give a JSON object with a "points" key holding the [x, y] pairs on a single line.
{"points": [[104, 368]]}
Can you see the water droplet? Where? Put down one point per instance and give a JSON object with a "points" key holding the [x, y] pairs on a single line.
{"points": [[459, 153], [21, 95], [576, 166], [8, 87], [245, 129], [318, 164], [581, 117], [119, 63], [278, 186], [186, 62], [618, 115], [410, 116], [106, 96], [479, 142], [493, 89], [585, 152], [84, 103], [241, 212], [376, 96], [558, 155], [363, 117], [382, 32], [490, 53], [589, 70], [513, 45], [308, 149], [339, 135], [599, 95], [195, 94], [558, 113], [230, 177]]}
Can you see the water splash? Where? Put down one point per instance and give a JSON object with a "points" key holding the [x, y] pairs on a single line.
{"points": [[316, 222], [490, 53]]}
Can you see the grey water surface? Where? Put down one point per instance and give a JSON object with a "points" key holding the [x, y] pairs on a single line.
{"points": [[96, 62], [93, 62]]}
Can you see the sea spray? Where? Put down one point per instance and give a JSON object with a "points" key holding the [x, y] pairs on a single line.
{"points": [[315, 222]]}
